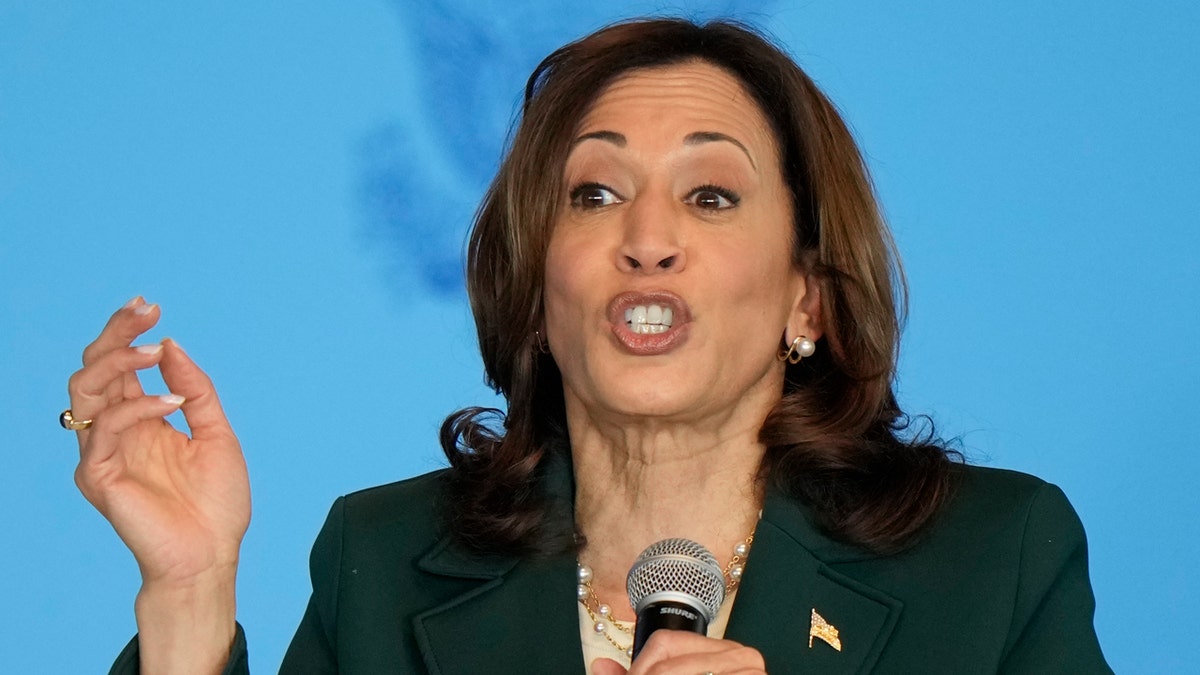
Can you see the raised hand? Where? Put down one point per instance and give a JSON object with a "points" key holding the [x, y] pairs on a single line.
{"points": [[181, 504]]}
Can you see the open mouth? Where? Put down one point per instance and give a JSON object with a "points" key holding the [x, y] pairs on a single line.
{"points": [[649, 323]]}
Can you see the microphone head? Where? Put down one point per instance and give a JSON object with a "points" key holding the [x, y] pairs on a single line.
{"points": [[679, 570]]}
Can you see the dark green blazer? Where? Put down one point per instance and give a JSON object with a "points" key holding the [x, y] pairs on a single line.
{"points": [[999, 583]]}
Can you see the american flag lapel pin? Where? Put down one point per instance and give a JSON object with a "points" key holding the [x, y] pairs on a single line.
{"points": [[824, 631]]}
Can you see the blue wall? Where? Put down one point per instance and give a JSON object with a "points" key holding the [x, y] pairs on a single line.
{"points": [[293, 187]]}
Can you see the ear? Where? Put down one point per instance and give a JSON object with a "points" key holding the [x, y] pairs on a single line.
{"points": [[806, 310]]}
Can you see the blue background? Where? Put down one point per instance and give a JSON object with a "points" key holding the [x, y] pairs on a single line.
{"points": [[292, 183]]}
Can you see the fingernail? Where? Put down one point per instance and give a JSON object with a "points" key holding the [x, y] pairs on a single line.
{"points": [[134, 302], [145, 309], [149, 349], [175, 344], [172, 399]]}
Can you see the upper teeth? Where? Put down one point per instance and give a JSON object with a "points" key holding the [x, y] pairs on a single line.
{"points": [[648, 319]]}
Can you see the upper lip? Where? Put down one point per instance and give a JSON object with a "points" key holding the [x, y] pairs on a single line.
{"points": [[628, 299]]}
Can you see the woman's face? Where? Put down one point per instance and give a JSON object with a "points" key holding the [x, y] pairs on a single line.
{"points": [[669, 276]]}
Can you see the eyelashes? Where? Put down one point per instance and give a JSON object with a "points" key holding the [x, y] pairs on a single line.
{"points": [[593, 196], [708, 197], [713, 197]]}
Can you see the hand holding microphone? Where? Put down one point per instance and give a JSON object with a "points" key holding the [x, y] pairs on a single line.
{"points": [[677, 585]]}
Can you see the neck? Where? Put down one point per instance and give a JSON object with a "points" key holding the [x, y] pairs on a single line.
{"points": [[666, 488], [641, 482]]}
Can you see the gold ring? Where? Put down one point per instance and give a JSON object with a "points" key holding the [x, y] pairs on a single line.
{"points": [[68, 421]]}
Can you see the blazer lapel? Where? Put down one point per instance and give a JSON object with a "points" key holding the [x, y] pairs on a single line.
{"points": [[789, 593], [519, 617]]}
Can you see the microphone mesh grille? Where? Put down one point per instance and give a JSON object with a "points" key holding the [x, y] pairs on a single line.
{"points": [[677, 566]]}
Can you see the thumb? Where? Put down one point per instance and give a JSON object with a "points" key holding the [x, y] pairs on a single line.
{"points": [[201, 409], [607, 667]]}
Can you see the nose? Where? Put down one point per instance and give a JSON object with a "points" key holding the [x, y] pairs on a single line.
{"points": [[652, 240]]}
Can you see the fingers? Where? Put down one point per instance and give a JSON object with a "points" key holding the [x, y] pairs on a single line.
{"points": [[607, 667], [118, 418], [88, 387], [672, 651], [202, 409], [135, 318], [109, 376]]}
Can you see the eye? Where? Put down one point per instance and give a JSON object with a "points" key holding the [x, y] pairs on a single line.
{"points": [[713, 198], [593, 196]]}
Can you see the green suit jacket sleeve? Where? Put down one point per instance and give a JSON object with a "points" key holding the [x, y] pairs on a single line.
{"points": [[998, 584]]}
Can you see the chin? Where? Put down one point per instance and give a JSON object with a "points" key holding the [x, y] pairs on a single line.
{"points": [[654, 399]]}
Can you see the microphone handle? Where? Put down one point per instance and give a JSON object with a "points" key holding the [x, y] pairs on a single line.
{"points": [[670, 615]]}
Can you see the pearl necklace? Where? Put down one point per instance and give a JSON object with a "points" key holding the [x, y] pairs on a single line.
{"points": [[600, 614]]}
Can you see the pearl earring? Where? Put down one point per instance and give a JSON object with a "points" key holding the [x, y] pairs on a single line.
{"points": [[800, 348]]}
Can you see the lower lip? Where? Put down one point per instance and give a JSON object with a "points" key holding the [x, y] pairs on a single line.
{"points": [[650, 345]]}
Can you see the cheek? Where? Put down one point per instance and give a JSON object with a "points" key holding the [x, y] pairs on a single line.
{"points": [[758, 294], [755, 275], [565, 291]]}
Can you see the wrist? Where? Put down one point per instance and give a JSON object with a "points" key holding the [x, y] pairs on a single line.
{"points": [[188, 625]]}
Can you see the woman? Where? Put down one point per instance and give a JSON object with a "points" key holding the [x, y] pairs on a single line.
{"points": [[684, 289]]}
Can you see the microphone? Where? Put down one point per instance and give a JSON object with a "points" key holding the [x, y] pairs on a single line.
{"points": [[675, 584]]}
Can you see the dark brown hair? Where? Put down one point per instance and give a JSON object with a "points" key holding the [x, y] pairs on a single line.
{"points": [[836, 440]]}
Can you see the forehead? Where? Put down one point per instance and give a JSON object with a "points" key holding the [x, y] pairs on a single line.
{"points": [[664, 102]]}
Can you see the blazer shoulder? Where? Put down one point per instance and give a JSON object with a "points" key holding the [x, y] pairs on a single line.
{"points": [[996, 483], [996, 513], [1002, 496], [416, 493], [1001, 570], [1038, 511], [406, 514]]}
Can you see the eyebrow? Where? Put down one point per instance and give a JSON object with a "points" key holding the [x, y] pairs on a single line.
{"points": [[698, 137], [609, 136], [694, 138]]}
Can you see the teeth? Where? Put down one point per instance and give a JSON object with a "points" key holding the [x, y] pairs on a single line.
{"points": [[639, 315], [648, 319]]}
